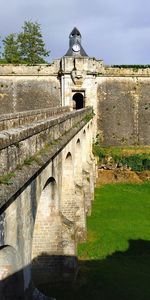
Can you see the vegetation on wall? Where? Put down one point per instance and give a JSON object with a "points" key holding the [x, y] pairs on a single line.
{"points": [[7, 178], [27, 47], [131, 66], [136, 158]]}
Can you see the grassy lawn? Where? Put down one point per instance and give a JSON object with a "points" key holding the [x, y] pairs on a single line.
{"points": [[120, 213], [114, 263], [115, 259]]}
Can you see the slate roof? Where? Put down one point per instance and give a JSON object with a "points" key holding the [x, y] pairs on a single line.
{"points": [[70, 52], [75, 31]]}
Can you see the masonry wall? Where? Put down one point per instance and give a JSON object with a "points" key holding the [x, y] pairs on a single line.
{"points": [[119, 96], [23, 142], [39, 230], [29, 87], [123, 105]]}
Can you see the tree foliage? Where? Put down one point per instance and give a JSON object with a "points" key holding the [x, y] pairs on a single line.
{"points": [[11, 49], [0, 50], [26, 47], [31, 45]]}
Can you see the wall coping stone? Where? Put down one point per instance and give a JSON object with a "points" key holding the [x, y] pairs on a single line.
{"points": [[15, 135], [23, 177], [26, 117]]}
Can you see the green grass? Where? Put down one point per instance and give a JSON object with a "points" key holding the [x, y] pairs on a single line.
{"points": [[137, 158], [7, 179], [114, 262], [120, 212]]}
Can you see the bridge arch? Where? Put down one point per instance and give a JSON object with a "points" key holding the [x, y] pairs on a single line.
{"points": [[68, 157], [46, 235], [67, 194], [11, 274], [88, 186], [78, 162], [79, 194]]}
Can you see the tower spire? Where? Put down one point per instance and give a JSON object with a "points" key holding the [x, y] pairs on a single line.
{"points": [[75, 47]]}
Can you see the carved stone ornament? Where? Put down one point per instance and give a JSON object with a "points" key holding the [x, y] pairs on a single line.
{"points": [[78, 77]]}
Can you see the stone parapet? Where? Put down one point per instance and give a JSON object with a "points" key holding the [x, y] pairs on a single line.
{"points": [[30, 70], [12, 120], [135, 71], [27, 172], [21, 143]]}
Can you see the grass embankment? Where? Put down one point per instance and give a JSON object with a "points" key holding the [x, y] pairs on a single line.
{"points": [[114, 262], [119, 213], [137, 158]]}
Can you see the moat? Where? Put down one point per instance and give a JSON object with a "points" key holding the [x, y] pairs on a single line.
{"points": [[114, 263]]}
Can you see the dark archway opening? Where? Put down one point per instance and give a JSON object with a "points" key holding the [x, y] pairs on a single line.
{"points": [[78, 100]]}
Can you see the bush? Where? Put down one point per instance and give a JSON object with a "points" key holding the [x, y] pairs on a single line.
{"points": [[137, 162]]}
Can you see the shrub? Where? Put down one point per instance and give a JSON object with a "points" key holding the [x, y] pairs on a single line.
{"points": [[137, 162]]}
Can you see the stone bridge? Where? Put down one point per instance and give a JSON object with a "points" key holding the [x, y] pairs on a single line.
{"points": [[47, 185]]}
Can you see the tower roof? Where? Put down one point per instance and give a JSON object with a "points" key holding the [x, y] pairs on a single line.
{"points": [[75, 39], [75, 31]]}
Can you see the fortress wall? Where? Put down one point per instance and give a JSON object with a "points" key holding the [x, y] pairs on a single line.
{"points": [[29, 87], [119, 96], [124, 108]]}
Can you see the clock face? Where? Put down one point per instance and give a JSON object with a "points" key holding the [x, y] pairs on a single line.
{"points": [[76, 47]]}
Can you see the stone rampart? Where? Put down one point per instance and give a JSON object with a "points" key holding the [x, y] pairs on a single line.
{"points": [[29, 87], [123, 108]]}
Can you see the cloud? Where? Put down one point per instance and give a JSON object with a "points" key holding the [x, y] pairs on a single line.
{"points": [[114, 30]]}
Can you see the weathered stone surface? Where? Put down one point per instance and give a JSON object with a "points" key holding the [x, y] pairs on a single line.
{"points": [[38, 218], [29, 87], [18, 144], [47, 195], [13, 120], [119, 96], [44, 207], [123, 111]]}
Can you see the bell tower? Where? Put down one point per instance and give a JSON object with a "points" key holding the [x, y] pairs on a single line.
{"points": [[75, 47], [78, 75], [74, 37]]}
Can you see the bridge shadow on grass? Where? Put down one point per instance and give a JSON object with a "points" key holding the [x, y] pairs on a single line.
{"points": [[122, 276]]}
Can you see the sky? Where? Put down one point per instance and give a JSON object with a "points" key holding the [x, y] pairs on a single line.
{"points": [[116, 31]]}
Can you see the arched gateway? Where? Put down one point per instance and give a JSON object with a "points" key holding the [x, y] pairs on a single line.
{"points": [[78, 101]]}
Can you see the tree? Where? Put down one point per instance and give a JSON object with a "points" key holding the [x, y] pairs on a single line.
{"points": [[0, 52], [11, 49], [31, 45]]}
